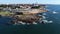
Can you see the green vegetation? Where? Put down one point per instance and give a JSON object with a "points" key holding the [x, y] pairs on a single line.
{"points": [[5, 13]]}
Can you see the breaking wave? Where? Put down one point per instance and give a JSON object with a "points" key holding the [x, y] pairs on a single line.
{"points": [[46, 21], [54, 12]]}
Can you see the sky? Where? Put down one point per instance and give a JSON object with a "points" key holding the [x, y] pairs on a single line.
{"points": [[29, 1]]}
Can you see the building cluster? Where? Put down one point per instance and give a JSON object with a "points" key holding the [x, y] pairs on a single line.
{"points": [[20, 6]]}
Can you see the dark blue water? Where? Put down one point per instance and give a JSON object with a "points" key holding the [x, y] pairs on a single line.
{"points": [[53, 28]]}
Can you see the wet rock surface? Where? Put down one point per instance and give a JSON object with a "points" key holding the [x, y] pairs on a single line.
{"points": [[25, 18]]}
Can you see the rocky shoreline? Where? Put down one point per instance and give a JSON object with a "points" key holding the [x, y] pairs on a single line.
{"points": [[25, 19], [24, 13]]}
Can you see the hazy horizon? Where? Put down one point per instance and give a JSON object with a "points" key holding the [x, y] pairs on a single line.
{"points": [[29, 1]]}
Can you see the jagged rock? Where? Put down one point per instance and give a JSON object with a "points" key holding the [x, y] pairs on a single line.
{"points": [[26, 18]]}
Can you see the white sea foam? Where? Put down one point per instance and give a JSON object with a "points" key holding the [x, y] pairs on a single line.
{"points": [[48, 9], [46, 21], [50, 21], [44, 13], [15, 24], [44, 17], [21, 22], [39, 15], [34, 23], [54, 12]]}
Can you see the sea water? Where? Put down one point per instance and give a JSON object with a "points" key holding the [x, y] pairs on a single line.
{"points": [[52, 26]]}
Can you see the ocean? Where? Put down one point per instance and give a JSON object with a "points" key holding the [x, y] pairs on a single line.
{"points": [[51, 27]]}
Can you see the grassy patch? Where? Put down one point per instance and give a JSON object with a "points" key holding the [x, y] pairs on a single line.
{"points": [[5, 13]]}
